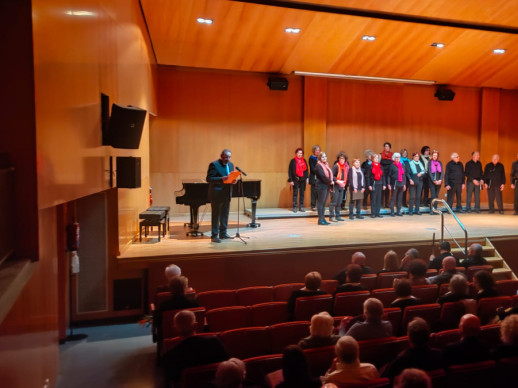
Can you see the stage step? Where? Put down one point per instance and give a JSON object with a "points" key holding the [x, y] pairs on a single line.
{"points": [[502, 274]]}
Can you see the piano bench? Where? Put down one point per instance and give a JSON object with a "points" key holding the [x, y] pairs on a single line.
{"points": [[150, 223], [165, 209]]}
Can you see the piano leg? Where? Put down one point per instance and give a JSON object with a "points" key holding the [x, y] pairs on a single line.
{"points": [[253, 224], [194, 223]]}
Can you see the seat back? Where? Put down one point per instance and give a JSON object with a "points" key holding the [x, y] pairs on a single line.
{"points": [[490, 335], [319, 359], [329, 285], [253, 295], [386, 279], [247, 342], [258, 367], [443, 338], [168, 329], [369, 281], [199, 376], [288, 333], [393, 315], [507, 287], [386, 295], [217, 298], [477, 374], [515, 300], [506, 371], [267, 314], [428, 293], [377, 351], [429, 312], [431, 272], [474, 269], [308, 306], [170, 343], [161, 297], [451, 313], [443, 288], [282, 292], [350, 303], [227, 318], [487, 307]]}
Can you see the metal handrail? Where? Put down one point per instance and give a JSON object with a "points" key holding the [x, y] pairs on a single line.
{"points": [[448, 208]]}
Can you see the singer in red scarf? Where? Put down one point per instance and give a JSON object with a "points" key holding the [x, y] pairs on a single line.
{"points": [[297, 178], [398, 180], [386, 162], [376, 183], [324, 184], [340, 172]]}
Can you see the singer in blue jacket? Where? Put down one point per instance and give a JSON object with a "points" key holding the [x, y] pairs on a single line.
{"points": [[220, 194]]}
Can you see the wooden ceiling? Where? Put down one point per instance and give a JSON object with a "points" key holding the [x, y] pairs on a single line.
{"points": [[252, 37]]}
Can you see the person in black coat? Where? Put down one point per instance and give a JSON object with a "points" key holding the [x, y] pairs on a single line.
{"points": [[398, 184], [469, 349], [514, 184], [324, 185], [340, 174], [474, 256], [376, 181], [298, 177], [435, 175], [357, 184], [312, 282], [454, 181], [417, 174], [474, 181], [313, 159], [220, 194], [494, 181]]}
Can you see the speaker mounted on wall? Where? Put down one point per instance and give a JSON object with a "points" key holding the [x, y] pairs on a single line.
{"points": [[277, 83], [128, 172], [444, 94]]}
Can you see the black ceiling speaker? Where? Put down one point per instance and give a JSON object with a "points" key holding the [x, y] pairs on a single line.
{"points": [[278, 83], [444, 94]]}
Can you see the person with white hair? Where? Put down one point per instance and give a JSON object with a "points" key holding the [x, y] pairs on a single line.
{"points": [[454, 181], [397, 184], [230, 373], [321, 332], [171, 271]]}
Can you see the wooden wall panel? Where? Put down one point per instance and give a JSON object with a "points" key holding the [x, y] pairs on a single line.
{"points": [[508, 135]]}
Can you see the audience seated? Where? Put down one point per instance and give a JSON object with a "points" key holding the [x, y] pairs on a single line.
{"points": [[419, 355], [311, 287], [474, 256], [410, 255], [470, 348], [485, 285], [230, 374], [404, 295], [321, 332], [373, 327], [346, 367], [458, 290], [509, 336], [192, 350], [295, 369], [170, 272], [390, 262], [444, 251], [357, 258], [178, 286], [417, 273], [413, 378], [353, 276], [449, 265]]}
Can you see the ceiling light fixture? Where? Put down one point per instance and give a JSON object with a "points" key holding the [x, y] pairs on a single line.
{"points": [[80, 13], [499, 51], [205, 21], [365, 78], [438, 45], [370, 38], [290, 30]]}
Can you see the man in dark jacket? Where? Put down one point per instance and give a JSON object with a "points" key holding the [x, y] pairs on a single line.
{"points": [[474, 181], [454, 181], [494, 181], [474, 256], [514, 184], [469, 349]]}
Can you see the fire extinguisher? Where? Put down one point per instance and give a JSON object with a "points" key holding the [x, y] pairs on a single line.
{"points": [[150, 196]]}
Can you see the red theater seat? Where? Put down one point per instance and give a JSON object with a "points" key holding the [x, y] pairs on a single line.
{"points": [[350, 303], [288, 333], [369, 281], [282, 292], [228, 318], [247, 342], [267, 314], [451, 313], [308, 306], [429, 312], [386, 295], [386, 279], [329, 285], [444, 338], [199, 376], [258, 367], [320, 359], [487, 307], [253, 295], [507, 287], [428, 293], [217, 298]]}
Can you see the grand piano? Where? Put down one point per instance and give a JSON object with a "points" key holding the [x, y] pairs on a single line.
{"points": [[196, 193]]}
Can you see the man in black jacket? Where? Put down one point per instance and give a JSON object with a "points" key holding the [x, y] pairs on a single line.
{"points": [[474, 181], [494, 181], [454, 181], [514, 184]]}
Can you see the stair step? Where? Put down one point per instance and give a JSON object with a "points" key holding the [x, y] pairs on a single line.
{"points": [[486, 251], [502, 274], [496, 262]]}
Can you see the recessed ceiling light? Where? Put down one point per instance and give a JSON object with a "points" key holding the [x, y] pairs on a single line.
{"points": [[499, 51], [205, 21], [80, 13], [290, 30], [370, 38], [437, 44]]}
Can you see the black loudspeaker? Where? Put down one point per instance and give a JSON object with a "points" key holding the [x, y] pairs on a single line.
{"points": [[278, 83], [127, 294], [128, 172], [125, 128], [445, 94]]}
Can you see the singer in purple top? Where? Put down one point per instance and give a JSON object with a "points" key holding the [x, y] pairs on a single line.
{"points": [[435, 175]]}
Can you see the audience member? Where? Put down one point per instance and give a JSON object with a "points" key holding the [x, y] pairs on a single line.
{"points": [[390, 262], [485, 285], [321, 332], [444, 251], [357, 258], [419, 355], [449, 265], [230, 374], [417, 273], [312, 283], [458, 290], [170, 272], [413, 378], [474, 256], [353, 277], [509, 336], [192, 350], [373, 326], [404, 295], [295, 369], [346, 367], [470, 348], [410, 255]]}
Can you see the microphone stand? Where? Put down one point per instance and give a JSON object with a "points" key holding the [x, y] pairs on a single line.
{"points": [[240, 193]]}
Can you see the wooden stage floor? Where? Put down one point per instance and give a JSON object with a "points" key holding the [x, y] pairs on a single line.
{"points": [[301, 231]]}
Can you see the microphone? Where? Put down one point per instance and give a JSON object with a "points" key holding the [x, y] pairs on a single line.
{"points": [[241, 171]]}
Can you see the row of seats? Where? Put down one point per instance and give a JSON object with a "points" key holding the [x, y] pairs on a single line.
{"points": [[378, 352]]}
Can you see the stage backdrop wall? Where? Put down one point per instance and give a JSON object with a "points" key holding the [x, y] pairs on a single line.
{"points": [[202, 112]]}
